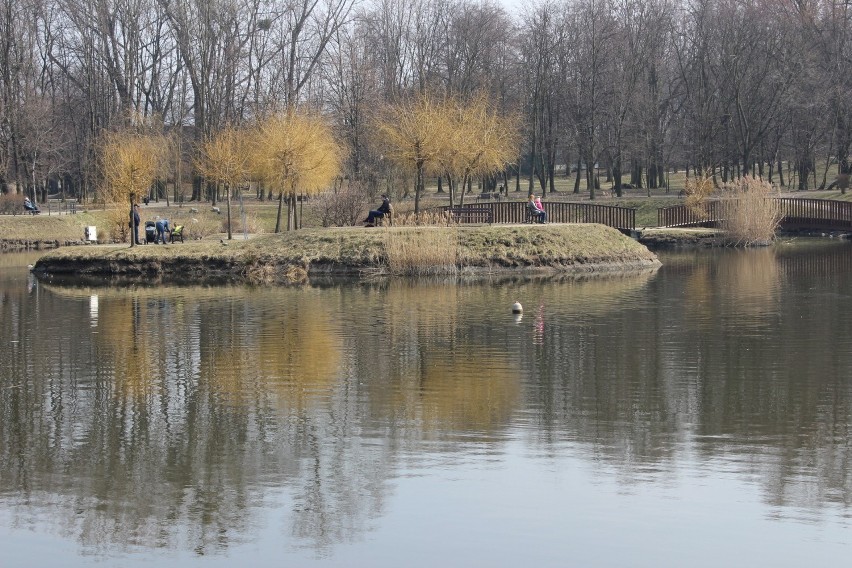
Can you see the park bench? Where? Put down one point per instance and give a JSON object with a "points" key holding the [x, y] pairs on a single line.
{"points": [[470, 215], [70, 206], [487, 196], [530, 217]]}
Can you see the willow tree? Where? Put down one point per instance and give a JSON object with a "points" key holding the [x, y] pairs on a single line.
{"points": [[130, 163], [295, 151], [225, 159], [411, 133], [481, 141]]}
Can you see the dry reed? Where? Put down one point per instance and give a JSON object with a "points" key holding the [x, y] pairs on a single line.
{"points": [[750, 215], [423, 252], [697, 191], [424, 219]]}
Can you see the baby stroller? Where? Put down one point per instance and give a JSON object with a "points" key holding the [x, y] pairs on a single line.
{"points": [[150, 232]]}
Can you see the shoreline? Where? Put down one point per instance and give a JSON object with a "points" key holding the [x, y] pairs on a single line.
{"points": [[701, 237], [363, 253]]}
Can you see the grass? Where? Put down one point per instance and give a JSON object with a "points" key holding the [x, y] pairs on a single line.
{"points": [[53, 228], [393, 250]]}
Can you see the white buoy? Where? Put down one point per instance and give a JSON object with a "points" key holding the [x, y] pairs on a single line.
{"points": [[517, 308]]}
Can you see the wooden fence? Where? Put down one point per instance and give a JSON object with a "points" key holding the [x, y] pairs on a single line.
{"points": [[622, 218]]}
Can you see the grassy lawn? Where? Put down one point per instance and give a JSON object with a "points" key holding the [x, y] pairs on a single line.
{"points": [[59, 228]]}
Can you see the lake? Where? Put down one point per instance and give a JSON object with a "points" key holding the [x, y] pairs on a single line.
{"points": [[697, 415]]}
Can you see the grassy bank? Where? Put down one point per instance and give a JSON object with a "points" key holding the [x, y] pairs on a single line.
{"points": [[396, 250], [689, 237]]}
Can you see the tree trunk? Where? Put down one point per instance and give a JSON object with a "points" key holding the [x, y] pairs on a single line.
{"points": [[228, 208], [616, 174], [577, 179], [551, 167], [417, 186], [280, 210]]}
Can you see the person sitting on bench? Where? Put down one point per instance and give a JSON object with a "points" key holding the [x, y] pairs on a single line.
{"points": [[30, 206], [379, 213], [176, 234], [534, 213]]}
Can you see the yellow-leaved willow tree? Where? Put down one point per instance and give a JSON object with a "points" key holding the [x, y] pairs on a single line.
{"points": [[130, 163], [295, 151], [453, 137], [411, 134], [226, 159], [481, 141]]}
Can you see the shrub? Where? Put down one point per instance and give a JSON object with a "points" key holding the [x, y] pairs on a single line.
{"points": [[118, 225], [750, 215], [344, 206], [11, 204]]}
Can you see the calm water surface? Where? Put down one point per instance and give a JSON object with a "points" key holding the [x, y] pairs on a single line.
{"points": [[696, 416]]}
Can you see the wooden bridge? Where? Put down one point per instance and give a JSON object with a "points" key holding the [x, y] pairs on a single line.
{"points": [[797, 213], [621, 218]]}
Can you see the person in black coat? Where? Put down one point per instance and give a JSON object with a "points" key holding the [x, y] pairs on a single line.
{"points": [[383, 210], [135, 219]]}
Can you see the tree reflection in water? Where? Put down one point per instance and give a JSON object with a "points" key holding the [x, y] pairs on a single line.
{"points": [[233, 401]]}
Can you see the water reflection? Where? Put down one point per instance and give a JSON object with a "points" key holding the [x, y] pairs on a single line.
{"points": [[146, 417]]}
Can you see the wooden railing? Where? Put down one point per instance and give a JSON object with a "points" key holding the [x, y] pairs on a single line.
{"points": [[623, 218], [796, 213], [815, 213], [683, 216]]}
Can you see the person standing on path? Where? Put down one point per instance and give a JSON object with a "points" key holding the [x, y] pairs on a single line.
{"points": [[135, 220]]}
